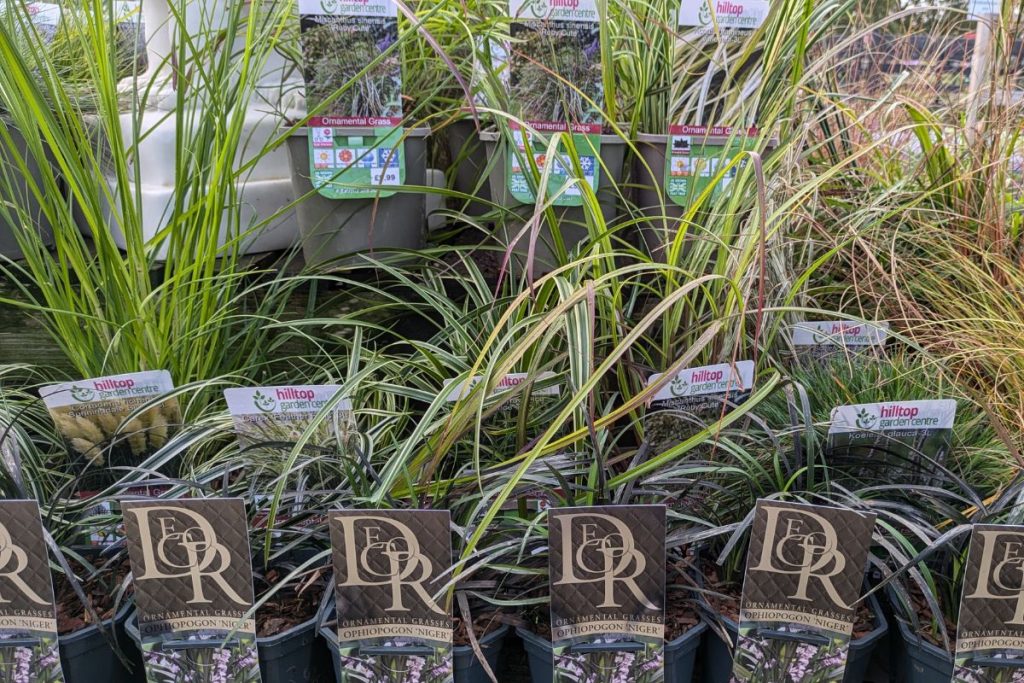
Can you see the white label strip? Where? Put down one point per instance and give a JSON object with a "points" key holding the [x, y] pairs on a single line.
{"points": [[889, 416], [459, 390], [839, 333], [708, 379], [114, 387]]}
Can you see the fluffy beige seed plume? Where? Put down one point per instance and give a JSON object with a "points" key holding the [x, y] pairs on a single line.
{"points": [[87, 429], [109, 423], [158, 427], [88, 449], [136, 436]]}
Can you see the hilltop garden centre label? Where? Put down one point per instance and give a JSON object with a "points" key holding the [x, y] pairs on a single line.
{"points": [[28, 616], [990, 626], [719, 16], [891, 442], [555, 82], [355, 144], [193, 589], [101, 422], [282, 415], [826, 339], [394, 616], [607, 583], [805, 572]]}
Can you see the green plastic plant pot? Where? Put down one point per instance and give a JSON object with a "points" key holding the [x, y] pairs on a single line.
{"points": [[571, 220], [18, 194], [292, 656], [717, 659], [87, 657], [680, 655], [467, 667], [335, 228]]}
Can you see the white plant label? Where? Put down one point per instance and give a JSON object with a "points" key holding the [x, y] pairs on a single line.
{"points": [[459, 390], [725, 14], [841, 333], [980, 9], [894, 416], [709, 379], [87, 395], [282, 414]]}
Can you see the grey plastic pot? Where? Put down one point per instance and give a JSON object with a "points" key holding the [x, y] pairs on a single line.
{"points": [[649, 195], [467, 667], [919, 661], [332, 228], [21, 196], [469, 161], [292, 656], [717, 660], [86, 656], [571, 219], [680, 655]]}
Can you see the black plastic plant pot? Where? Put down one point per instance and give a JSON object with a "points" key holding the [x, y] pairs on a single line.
{"points": [[717, 658], [292, 656], [467, 667], [21, 195], [469, 161], [919, 661], [87, 657], [680, 655], [571, 219], [332, 228]]}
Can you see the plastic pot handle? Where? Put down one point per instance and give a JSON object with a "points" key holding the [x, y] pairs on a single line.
{"points": [[808, 638], [624, 646], [396, 651]]}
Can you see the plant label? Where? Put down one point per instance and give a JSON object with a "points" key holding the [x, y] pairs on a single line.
{"points": [[193, 589], [694, 396], [898, 441], [356, 141], [990, 629], [111, 422], [555, 81], [394, 616], [44, 17], [542, 385], [721, 16], [28, 615], [704, 159], [822, 340], [281, 416], [981, 9], [607, 584], [805, 571]]}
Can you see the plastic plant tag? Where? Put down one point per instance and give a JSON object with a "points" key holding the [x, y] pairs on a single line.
{"points": [[28, 615], [990, 628], [698, 154], [607, 584], [823, 340], [193, 589], [721, 16], [981, 9], [93, 417], [356, 142], [693, 398], [45, 17], [893, 442], [542, 385], [805, 571], [394, 619], [279, 416], [555, 80]]}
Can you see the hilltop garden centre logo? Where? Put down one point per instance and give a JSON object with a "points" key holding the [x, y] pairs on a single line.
{"points": [[264, 403], [866, 419]]}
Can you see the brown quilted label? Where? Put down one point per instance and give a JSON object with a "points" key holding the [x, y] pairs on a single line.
{"points": [[990, 630], [28, 623], [805, 572], [191, 563], [394, 618], [607, 586]]}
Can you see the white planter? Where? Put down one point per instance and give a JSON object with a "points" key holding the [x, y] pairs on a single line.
{"points": [[266, 189]]}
